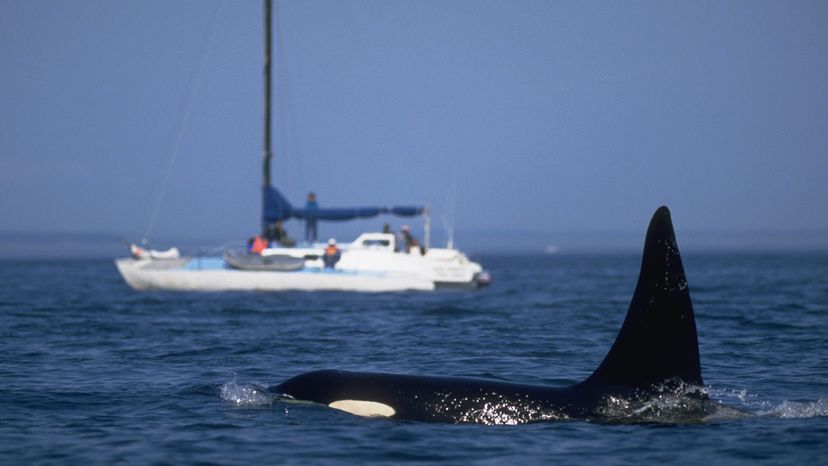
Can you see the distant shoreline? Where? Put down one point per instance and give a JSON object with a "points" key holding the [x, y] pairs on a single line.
{"points": [[15, 245]]}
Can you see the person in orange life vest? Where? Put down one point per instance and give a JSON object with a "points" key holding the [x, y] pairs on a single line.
{"points": [[256, 245], [332, 254]]}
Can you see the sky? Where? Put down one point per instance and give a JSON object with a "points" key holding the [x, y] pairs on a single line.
{"points": [[509, 119]]}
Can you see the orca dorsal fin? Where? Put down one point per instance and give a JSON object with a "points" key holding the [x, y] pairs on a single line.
{"points": [[658, 340]]}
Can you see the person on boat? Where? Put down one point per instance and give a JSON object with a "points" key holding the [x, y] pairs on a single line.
{"points": [[256, 245], [311, 209], [409, 241], [275, 233], [332, 254], [138, 252], [386, 228]]}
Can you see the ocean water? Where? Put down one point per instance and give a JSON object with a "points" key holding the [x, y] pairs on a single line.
{"points": [[92, 372]]}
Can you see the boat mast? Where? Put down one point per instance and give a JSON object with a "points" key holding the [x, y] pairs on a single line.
{"points": [[267, 154]]}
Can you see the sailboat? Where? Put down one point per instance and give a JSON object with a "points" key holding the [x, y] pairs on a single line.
{"points": [[374, 262]]}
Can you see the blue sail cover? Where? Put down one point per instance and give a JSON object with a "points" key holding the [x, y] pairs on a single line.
{"points": [[275, 208]]}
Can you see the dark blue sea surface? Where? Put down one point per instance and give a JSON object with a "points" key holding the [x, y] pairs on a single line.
{"points": [[92, 372]]}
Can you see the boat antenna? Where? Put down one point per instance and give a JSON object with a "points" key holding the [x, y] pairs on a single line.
{"points": [[427, 227], [450, 231], [267, 154]]}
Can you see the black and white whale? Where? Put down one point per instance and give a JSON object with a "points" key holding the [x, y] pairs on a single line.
{"points": [[653, 365]]}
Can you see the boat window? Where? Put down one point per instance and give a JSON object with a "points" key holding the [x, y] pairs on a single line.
{"points": [[376, 242]]}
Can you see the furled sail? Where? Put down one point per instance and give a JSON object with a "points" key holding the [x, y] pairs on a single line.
{"points": [[276, 208]]}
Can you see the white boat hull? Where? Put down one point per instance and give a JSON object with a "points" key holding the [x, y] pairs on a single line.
{"points": [[140, 275], [369, 264]]}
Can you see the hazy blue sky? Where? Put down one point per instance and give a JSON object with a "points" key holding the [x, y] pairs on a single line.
{"points": [[536, 116]]}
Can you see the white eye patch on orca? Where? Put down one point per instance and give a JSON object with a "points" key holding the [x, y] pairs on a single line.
{"points": [[363, 408]]}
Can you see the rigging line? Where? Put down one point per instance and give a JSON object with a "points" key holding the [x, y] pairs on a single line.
{"points": [[291, 170], [195, 81], [450, 218]]}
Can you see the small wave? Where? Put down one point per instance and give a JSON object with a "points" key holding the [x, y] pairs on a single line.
{"points": [[732, 395], [452, 309], [245, 395], [670, 403], [796, 409], [759, 407]]}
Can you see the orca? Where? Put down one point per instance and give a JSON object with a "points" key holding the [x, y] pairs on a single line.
{"points": [[652, 368]]}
